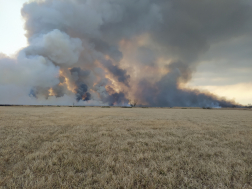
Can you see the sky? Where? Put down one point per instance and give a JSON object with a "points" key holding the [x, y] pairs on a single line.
{"points": [[12, 26], [223, 69], [226, 70]]}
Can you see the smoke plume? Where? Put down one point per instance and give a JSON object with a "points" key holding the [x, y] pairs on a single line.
{"points": [[111, 52]]}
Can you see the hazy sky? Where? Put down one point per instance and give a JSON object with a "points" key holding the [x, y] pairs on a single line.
{"points": [[11, 26], [225, 69]]}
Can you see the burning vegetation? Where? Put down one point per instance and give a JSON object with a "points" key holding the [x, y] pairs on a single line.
{"points": [[108, 52]]}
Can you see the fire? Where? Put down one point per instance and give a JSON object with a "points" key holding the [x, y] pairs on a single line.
{"points": [[51, 93], [67, 82], [115, 84], [84, 96]]}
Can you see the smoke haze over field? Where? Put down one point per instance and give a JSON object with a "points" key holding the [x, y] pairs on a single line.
{"points": [[112, 52]]}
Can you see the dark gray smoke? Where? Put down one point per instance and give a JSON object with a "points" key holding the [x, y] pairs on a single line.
{"points": [[115, 98], [114, 51], [81, 89], [166, 93], [105, 48], [119, 74], [78, 73], [81, 92], [58, 90]]}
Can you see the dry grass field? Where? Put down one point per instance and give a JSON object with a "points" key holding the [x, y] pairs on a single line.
{"points": [[87, 147]]}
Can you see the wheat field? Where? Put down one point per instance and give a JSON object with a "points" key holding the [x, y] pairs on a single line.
{"points": [[93, 147]]}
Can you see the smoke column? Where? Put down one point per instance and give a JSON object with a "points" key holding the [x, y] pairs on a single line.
{"points": [[111, 52]]}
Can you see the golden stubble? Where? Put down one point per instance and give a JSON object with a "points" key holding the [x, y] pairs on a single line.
{"points": [[87, 147]]}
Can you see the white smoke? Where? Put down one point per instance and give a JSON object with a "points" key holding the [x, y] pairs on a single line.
{"points": [[28, 71], [59, 47]]}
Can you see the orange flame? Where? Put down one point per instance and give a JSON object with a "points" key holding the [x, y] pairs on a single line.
{"points": [[67, 81], [51, 93]]}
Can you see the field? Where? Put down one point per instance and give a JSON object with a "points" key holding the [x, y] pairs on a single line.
{"points": [[88, 147]]}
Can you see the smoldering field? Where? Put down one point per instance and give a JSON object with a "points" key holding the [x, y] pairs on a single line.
{"points": [[87, 147]]}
